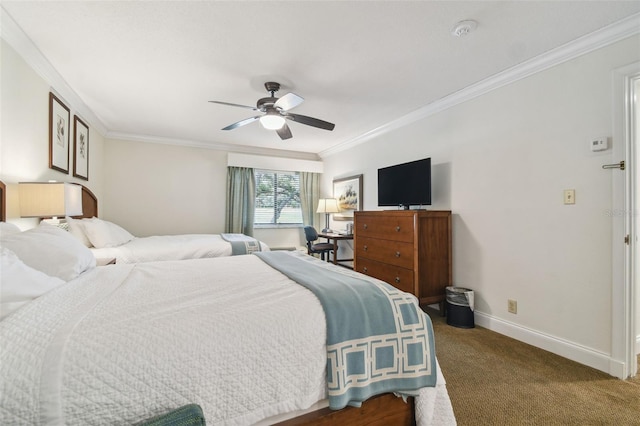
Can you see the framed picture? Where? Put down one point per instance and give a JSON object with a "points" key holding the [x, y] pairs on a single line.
{"points": [[80, 149], [58, 134], [348, 192]]}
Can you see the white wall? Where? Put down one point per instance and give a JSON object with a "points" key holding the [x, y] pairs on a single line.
{"points": [[164, 189], [24, 133], [501, 163]]}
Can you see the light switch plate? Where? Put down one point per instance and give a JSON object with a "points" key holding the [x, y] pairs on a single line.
{"points": [[569, 196]]}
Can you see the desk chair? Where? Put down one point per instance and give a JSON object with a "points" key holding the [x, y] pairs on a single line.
{"points": [[311, 235]]}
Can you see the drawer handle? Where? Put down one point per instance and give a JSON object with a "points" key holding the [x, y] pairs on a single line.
{"points": [[397, 254], [397, 280], [365, 248], [365, 226], [397, 229], [364, 269]]}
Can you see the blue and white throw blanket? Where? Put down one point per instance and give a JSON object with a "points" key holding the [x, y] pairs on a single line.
{"points": [[378, 338], [241, 244]]}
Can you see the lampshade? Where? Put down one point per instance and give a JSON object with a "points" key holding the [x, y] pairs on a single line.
{"points": [[50, 199], [327, 205]]}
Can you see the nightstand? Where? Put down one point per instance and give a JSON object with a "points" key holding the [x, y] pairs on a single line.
{"points": [[106, 261]]}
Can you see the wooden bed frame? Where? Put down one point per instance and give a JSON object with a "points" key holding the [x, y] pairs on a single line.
{"points": [[89, 203], [3, 202], [381, 410]]}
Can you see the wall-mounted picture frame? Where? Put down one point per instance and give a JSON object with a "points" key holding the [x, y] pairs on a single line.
{"points": [[80, 148], [348, 192], [59, 116]]}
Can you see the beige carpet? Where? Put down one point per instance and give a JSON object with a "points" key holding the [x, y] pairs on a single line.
{"points": [[495, 380]]}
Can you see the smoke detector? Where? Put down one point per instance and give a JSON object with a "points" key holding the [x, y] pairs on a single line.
{"points": [[463, 28]]}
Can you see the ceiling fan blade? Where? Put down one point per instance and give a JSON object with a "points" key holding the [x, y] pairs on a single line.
{"points": [[241, 123], [288, 101], [310, 121], [235, 105], [284, 132]]}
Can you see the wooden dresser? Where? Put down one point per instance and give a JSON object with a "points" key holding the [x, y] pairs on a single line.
{"points": [[409, 249]]}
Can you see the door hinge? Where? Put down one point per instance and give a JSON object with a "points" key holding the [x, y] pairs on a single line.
{"points": [[626, 239], [619, 165]]}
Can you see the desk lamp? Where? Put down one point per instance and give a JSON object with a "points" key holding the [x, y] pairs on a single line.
{"points": [[327, 206]]}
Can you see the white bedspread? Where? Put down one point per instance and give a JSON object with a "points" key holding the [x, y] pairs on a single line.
{"points": [[123, 343], [168, 247]]}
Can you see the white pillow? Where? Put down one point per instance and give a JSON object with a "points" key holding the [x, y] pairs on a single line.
{"points": [[20, 283], [76, 228], [50, 250], [105, 234], [8, 229]]}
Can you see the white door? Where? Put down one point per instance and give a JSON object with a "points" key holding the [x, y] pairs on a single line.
{"points": [[635, 214], [625, 320]]}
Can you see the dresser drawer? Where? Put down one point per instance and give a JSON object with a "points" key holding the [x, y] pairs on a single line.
{"points": [[400, 278], [391, 252], [395, 228]]}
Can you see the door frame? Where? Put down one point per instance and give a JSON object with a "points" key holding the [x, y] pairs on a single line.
{"points": [[624, 206]]}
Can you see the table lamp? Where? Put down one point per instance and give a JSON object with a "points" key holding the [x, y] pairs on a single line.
{"points": [[327, 206], [50, 199]]}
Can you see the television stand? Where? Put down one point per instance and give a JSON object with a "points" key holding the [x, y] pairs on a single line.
{"points": [[411, 250]]}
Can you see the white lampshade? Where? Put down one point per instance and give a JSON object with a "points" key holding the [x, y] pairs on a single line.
{"points": [[50, 199], [328, 205]]}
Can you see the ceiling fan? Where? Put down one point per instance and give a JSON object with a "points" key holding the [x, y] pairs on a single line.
{"points": [[276, 110]]}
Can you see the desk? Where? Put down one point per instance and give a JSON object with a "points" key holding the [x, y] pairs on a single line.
{"points": [[335, 238]]}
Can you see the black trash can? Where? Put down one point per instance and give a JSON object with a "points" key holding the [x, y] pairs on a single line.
{"points": [[459, 307]]}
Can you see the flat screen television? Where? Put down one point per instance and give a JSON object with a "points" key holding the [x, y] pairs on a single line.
{"points": [[405, 185]]}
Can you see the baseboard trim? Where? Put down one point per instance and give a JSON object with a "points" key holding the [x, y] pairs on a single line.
{"points": [[570, 350]]}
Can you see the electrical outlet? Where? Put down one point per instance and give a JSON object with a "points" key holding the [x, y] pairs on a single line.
{"points": [[512, 306]]}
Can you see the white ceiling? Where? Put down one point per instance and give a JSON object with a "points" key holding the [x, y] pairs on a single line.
{"points": [[147, 69]]}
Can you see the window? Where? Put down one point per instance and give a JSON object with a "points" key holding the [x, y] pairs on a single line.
{"points": [[277, 198]]}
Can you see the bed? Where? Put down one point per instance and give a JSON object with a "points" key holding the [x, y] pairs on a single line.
{"points": [[237, 335], [108, 240]]}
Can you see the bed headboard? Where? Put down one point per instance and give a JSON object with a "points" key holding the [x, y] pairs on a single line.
{"points": [[3, 202], [89, 203]]}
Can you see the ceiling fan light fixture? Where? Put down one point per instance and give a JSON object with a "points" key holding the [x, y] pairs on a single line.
{"points": [[272, 121]]}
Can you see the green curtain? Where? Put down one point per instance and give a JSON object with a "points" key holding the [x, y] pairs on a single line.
{"points": [[241, 199], [309, 194]]}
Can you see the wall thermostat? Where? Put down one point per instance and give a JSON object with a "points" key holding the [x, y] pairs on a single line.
{"points": [[599, 144]]}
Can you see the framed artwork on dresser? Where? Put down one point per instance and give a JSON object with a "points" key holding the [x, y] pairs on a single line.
{"points": [[58, 134], [80, 149], [348, 192]]}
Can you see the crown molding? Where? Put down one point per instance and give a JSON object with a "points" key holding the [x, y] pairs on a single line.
{"points": [[242, 149], [630, 26], [613, 33], [21, 43], [16, 37]]}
